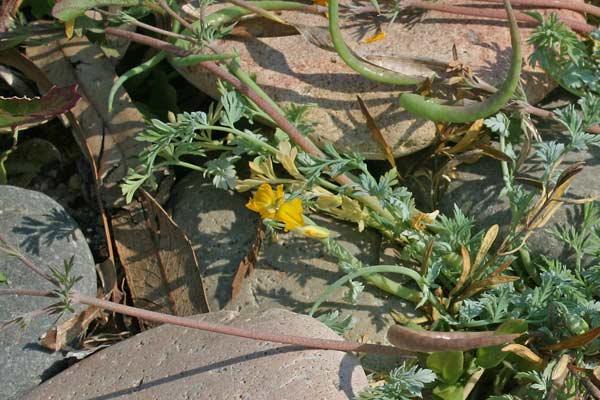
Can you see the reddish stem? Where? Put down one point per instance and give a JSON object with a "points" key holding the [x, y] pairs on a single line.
{"points": [[146, 315], [558, 4], [16, 253], [303, 142], [314, 343], [496, 14]]}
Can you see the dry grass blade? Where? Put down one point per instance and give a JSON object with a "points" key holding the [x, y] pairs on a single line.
{"points": [[493, 152], [524, 352], [553, 202], [575, 341], [486, 244], [428, 341], [472, 134], [159, 262], [247, 264], [466, 270], [485, 283], [376, 133]]}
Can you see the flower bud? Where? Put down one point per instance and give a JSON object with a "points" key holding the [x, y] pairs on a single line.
{"points": [[329, 201], [312, 231]]}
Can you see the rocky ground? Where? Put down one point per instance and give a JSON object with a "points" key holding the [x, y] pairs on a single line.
{"points": [[175, 363]]}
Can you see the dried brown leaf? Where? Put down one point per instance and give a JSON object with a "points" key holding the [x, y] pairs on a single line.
{"points": [[487, 282], [247, 264], [376, 133], [466, 270], [493, 152], [57, 337], [468, 138], [158, 259], [486, 244], [575, 341], [523, 352]]}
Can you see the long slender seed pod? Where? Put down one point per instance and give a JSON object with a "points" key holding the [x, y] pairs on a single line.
{"points": [[430, 109], [368, 71]]}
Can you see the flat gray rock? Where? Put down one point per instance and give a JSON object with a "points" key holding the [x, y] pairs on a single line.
{"points": [[175, 363], [477, 193], [289, 274], [220, 228], [46, 234]]}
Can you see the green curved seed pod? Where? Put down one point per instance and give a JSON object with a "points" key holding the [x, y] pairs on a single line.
{"points": [[370, 72], [430, 109], [143, 67]]}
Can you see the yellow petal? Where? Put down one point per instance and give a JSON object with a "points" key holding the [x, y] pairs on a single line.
{"points": [[264, 201], [69, 28], [376, 37], [322, 3], [279, 195], [290, 213]]}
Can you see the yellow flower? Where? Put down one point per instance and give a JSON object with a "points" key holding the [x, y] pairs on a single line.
{"points": [[420, 220], [270, 204]]}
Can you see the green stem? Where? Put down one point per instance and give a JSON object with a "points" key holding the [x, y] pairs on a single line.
{"points": [[430, 109], [197, 58], [373, 277], [231, 14], [368, 71], [245, 78], [143, 67]]}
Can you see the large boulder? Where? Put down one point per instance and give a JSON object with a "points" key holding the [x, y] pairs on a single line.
{"points": [[291, 70], [46, 234], [175, 363]]}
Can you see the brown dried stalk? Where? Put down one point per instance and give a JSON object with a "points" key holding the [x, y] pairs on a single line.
{"points": [[151, 316]]}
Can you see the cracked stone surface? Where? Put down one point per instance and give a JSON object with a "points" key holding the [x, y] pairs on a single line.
{"points": [[290, 273], [46, 234], [311, 75], [175, 363]]}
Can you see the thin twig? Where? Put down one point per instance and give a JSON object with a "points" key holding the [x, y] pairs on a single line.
{"points": [[260, 11], [315, 343], [10, 250], [146, 315], [151, 28], [178, 17], [495, 14], [591, 388], [27, 292], [558, 4]]}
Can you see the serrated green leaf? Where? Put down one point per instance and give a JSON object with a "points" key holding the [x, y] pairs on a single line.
{"points": [[16, 111]]}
